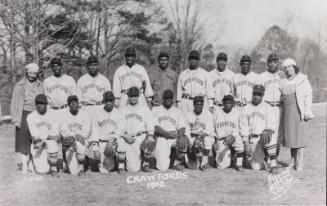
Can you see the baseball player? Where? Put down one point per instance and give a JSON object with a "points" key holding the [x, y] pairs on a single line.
{"points": [[132, 75], [134, 126], [192, 82], [59, 86], [170, 124], [256, 128], [226, 124], [75, 129], [244, 82], [106, 120], [222, 80], [271, 80], [44, 129], [91, 86], [201, 130]]}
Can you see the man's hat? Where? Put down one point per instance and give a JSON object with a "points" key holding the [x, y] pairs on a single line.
{"points": [[133, 92], [108, 96], [228, 98], [222, 56], [246, 58], [56, 61], [259, 89], [163, 54], [168, 94], [272, 57], [198, 100], [92, 59], [130, 51], [41, 99], [194, 54], [72, 98]]}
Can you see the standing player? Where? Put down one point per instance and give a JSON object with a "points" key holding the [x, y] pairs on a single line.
{"points": [[75, 129], [226, 123], [244, 82], [192, 82], [91, 86], [132, 75], [44, 129], [106, 132], [59, 86], [200, 124], [135, 126], [256, 128], [162, 79], [222, 80], [170, 125]]}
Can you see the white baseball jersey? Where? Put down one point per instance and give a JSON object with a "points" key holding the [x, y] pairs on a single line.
{"points": [[243, 86], [222, 83], [202, 122], [41, 126], [126, 77], [195, 82], [272, 84], [105, 123], [58, 89], [255, 119], [135, 119], [227, 123], [170, 119], [90, 89]]}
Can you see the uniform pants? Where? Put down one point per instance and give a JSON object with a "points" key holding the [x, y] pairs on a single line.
{"points": [[162, 152], [223, 154], [107, 162], [74, 155]]}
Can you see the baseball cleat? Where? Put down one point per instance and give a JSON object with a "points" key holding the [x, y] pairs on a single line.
{"points": [[179, 167], [204, 167], [146, 168], [81, 173], [239, 168], [274, 170]]}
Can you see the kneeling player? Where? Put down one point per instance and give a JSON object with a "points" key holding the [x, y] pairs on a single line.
{"points": [[256, 127], [75, 129], [200, 123], [44, 130], [226, 123]]}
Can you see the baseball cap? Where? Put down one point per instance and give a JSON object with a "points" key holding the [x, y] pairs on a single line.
{"points": [[41, 99], [259, 89], [246, 58], [133, 92], [168, 94], [130, 51], [163, 54], [289, 62], [222, 56], [55, 61], [228, 98], [272, 57], [92, 59], [198, 100], [108, 96], [72, 98], [194, 54]]}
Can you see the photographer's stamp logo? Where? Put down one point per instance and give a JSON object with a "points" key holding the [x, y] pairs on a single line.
{"points": [[279, 184]]}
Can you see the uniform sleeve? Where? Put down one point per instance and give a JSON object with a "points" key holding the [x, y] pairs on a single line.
{"points": [[95, 131], [181, 123], [179, 88], [234, 80], [244, 125], [117, 85], [79, 91], [148, 90], [107, 84], [34, 130], [270, 123], [46, 92], [155, 117], [72, 87], [209, 128], [209, 88], [149, 124]]}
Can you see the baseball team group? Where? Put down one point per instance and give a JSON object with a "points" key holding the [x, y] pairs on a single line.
{"points": [[163, 120]]}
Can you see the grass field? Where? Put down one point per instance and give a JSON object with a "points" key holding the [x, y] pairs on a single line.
{"points": [[212, 187]]}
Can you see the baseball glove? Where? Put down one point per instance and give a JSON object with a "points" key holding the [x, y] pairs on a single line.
{"points": [[111, 148], [182, 143], [229, 141], [265, 136], [148, 145], [67, 141], [198, 145]]}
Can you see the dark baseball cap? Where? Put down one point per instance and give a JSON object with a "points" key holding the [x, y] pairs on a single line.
{"points": [[272, 57], [245, 58], [194, 54], [108, 96], [259, 89], [168, 94], [133, 92], [92, 59], [130, 51], [222, 56], [198, 100], [41, 99], [163, 54], [55, 61], [72, 98], [228, 98]]}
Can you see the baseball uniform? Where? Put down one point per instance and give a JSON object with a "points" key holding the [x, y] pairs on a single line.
{"points": [[193, 83], [170, 120], [126, 77], [222, 85], [243, 86], [136, 120], [41, 127]]}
